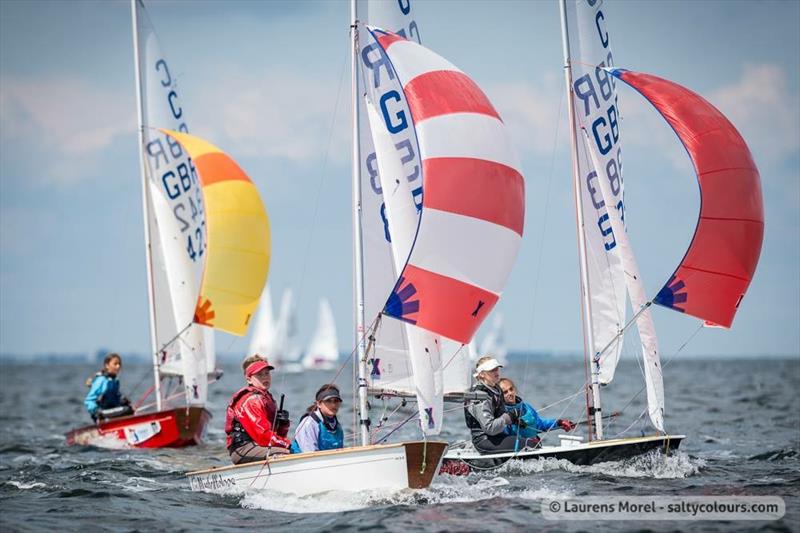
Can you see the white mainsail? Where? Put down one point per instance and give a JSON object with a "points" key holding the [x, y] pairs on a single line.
{"points": [[323, 351], [595, 108], [644, 322], [175, 210]]}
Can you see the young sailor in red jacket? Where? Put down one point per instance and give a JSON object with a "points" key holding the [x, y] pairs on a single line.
{"points": [[254, 426]]}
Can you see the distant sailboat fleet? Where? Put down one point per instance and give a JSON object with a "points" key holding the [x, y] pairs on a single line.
{"points": [[279, 337]]}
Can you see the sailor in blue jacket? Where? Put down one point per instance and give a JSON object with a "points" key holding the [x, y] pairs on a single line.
{"points": [[530, 423], [104, 399], [319, 429]]}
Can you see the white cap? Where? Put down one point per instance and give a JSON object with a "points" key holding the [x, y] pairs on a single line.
{"points": [[489, 364]]}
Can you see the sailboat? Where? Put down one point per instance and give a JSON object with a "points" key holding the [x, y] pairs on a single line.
{"points": [[439, 290], [715, 272], [277, 338], [323, 350], [494, 342], [207, 247]]}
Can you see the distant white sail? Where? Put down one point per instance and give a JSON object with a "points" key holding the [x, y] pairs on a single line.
{"points": [[494, 343], [264, 339], [323, 351], [287, 346]]}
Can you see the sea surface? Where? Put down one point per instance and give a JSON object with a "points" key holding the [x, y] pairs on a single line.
{"points": [[741, 419]]}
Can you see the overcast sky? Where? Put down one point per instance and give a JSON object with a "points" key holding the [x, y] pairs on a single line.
{"points": [[269, 83]]}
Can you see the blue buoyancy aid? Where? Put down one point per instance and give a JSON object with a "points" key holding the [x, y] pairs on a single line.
{"points": [[103, 393], [329, 433]]}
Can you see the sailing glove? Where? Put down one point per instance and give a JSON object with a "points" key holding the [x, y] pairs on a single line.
{"points": [[513, 416], [565, 424]]}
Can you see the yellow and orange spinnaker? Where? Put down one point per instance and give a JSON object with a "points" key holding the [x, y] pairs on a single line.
{"points": [[237, 235]]}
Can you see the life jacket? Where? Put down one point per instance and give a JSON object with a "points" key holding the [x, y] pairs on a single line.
{"points": [[233, 428], [498, 406], [111, 397], [331, 436]]}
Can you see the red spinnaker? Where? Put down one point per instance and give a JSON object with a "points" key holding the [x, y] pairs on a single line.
{"points": [[713, 276]]}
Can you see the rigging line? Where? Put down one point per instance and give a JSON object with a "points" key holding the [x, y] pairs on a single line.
{"points": [[664, 364]]}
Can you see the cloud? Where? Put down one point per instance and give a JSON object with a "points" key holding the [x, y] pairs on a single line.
{"points": [[531, 112], [281, 115], [69, 121]]}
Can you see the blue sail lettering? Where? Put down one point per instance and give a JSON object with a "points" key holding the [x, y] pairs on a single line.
{"points": [[405, 6], [400, 115], [166, 82], [586, 82], [417, 194], [170, 185], [604, 81], [607, 231], [156, 151], [413, 31], [597, 199], [173, 97], [186, 179], [603, 144], [375, 66], [386, 233], [372, 168], [408, 157], [601, 32]]}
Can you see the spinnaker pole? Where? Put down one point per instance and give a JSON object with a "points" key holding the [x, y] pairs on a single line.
{"points": [[358, 245], [588, 331], [146, 208]]}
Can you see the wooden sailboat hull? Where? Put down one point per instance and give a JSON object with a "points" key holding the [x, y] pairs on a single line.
{"points": [[389, 466], [171, 428], [579, 454]]}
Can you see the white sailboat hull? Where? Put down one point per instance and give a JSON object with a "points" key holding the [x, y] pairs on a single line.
{"points": [[392, 466]]}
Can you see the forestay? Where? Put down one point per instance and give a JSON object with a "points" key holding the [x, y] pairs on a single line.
{"points": [[596, 111], [177, 222], [713, 276]]}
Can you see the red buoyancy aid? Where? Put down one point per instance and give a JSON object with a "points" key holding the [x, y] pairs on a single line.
{"points": [[254, 423]]}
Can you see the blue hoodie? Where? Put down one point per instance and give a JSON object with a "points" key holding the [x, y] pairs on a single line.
{"points": [[103, 393], [534, 422]]}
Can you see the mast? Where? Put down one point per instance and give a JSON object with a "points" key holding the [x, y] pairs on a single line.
{"points": [[588, 332], [145, 209], [358, 252]]}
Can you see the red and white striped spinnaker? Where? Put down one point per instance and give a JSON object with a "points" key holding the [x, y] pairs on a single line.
{"points": [[473, 203]]}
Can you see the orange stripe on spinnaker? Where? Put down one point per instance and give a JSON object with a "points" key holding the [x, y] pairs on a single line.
{"points": [[217, 166]]}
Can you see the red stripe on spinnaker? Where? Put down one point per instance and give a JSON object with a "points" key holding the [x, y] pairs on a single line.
{"points": [[724, 252], [476, 188], [215, 167], [446, 305], [442, 92], [386, 39]]}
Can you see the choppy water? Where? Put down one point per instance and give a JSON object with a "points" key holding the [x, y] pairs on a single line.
{"points": [[741, 418]]}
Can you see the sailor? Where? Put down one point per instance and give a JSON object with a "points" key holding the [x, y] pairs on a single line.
{"points": [[254, 425], [487, 418], [319, 429], [529, 424], [104, 399]]}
